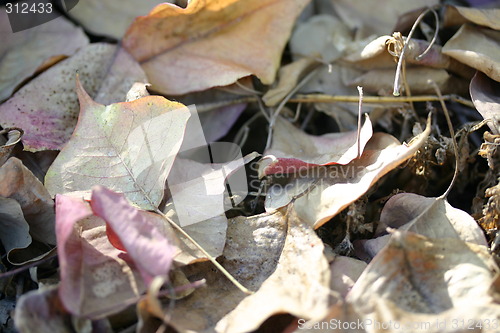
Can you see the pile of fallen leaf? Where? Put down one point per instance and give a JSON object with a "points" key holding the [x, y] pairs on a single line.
{"points": [[251, 165]]}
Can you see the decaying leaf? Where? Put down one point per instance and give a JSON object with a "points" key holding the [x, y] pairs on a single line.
{"points": [[110, 18], [377, 17], [323, 37], [322, 192], [15, 235], [253, 247], [127, 147], [484, 94], [429, 217], [489, 17], [289, 77], [344, 271], [47, 108], [293, 151], [298, 287], [42, 311], [476, 48], [419, 277], [96, 278], [19, 183], [382, 81], [7, 145], [22, 53], [211, 43], [148, 247]]}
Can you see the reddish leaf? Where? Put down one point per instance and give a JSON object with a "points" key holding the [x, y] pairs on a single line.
{"points": [[144, 242], [293, 151], [96, 278]]}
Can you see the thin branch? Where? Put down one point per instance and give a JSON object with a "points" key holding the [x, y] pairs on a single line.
{"points": [[208, 255], [397, 77], [360, 111], [452, 133]]}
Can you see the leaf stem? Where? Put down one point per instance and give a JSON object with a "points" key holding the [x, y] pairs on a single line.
{"points": [[210, 257]]}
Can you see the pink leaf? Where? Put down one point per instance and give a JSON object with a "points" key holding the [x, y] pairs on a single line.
{"points": [[96, 278], [145, 243]]}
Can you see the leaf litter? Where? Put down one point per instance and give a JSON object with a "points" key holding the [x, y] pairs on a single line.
{"points": [[249, 210]]}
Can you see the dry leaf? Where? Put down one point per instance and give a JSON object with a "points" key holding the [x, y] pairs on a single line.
{"points": [[23, 52], [19, 183], [127, 147], [489, 17], [110, 18], [381, 81], [484, 94], [323, 37], [253, 247], [375, 17], [15, 235], [293, 151], [6, 146], [145, 243], [425, 276], [47, 108], [430, 217], [211, 43], [477, 48], [344, 271], [298, 287], [322, 192], [41, 311], [96, 278], [289, 76]]}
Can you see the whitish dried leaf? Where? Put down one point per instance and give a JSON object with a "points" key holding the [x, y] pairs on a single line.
{"points": [[477, 48], [369, 53], [253, 247], [489, 17], [322, 192], [19, 183], [210, 234], [425, 276], [381, 81], [127, 147], [23, 52], [345, 271], [289, 76], [323, 37], [145, 243], [201, 191], [429, 217], [96, 278], [47, 108], [298, 287], [211, 43], [7, 145], [110, 18], [378, 17], [293, 151], [484, 94]]}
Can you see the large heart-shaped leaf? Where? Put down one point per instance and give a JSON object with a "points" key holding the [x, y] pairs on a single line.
{"points": [[128, 147], [211, 43]]}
